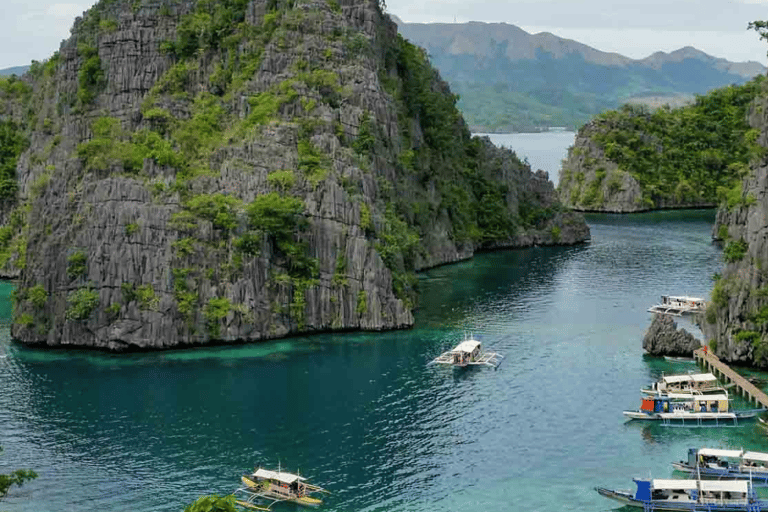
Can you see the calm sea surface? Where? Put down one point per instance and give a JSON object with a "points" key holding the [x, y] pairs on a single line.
{"points": [[362, 414], [543, 150]]}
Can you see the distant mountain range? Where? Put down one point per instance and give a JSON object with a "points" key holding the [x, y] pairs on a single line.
{"points": [[17, 70], [510, 80]]}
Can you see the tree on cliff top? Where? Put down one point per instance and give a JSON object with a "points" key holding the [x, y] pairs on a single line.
{"points": [[17, 477]]}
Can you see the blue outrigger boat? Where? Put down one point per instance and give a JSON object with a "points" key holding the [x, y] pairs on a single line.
{"points": [[690, 496], [726, 464]]}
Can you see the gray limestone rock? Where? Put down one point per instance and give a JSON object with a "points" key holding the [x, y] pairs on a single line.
{"points": [[663, 338]]}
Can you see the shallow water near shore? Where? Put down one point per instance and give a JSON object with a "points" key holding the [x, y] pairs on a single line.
{"points": [[362, 415]]}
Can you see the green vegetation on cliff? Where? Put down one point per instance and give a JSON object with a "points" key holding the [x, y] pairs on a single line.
{"points": [[687, 156], [287, 170]]}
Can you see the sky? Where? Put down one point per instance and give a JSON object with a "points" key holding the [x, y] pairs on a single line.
{"points": [[34, 29]]}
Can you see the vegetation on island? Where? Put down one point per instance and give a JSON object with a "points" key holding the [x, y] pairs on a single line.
{"points": [[692, 155], [15, 478], [211, 102]]}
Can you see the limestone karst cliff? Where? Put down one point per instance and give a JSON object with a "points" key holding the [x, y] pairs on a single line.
{"points": [[736, 323], [200, 171]]}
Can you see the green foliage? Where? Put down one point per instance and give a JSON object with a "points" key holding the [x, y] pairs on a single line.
{"points": [[735, 251], [722, 232], [366, 222], [90, 77], [218, 208], [213, 503], [131, 228], [113, 309], [81, 303], [184, 246], [18, 478], [26, 320], [711, 314], [362, 303], [215, 310], [128, 291], [340, 274], [12, 144], [365, 141], [147, 298], [555, 231], [76, 264], [749, 336], [697, 153], [37, 296], [312, 162], [283, 180], [186, 299], [108, 26], [249, 244], [720, 293], [208, 27], [760, 317], [276, 215]]}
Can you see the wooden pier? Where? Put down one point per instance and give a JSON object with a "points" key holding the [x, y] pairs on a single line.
{"points": [[724, 372]]}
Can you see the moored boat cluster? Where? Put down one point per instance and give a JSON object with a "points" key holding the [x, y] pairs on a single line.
{"points": [[720, 480]]}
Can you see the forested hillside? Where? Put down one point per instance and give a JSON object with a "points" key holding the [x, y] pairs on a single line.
{"points": [[509, 80], [635, 159]]}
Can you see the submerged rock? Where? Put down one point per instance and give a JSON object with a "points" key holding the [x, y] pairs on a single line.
{"points": [[663, 338]]}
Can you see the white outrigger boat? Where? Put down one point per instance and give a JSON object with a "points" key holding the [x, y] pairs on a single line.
{"points": [[276, 486], [695, 383], [726, 464], [690, 410], [689, 495], [468, 353], [679, 305]]}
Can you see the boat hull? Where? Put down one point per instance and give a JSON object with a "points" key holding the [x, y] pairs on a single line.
{"points": [[626, 498], [695, 418], [757, 477]]}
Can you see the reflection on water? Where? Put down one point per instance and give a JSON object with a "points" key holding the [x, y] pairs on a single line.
{"points": [[362, 414]]}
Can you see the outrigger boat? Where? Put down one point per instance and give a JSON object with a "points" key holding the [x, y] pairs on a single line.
{"points": [[726, 464], [690, 495], [276, 486], [690, 410], [468, 353], [688, 383], [679, 305]]}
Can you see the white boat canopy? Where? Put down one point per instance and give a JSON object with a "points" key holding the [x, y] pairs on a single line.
{"points": [[716, 452], [467, 346], [696, 396], [695, 377], [286, 478], [685, 485], [758, 456], [741, 486]]}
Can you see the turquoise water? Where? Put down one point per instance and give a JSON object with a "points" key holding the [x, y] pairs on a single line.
{"points": [[362, 414]]}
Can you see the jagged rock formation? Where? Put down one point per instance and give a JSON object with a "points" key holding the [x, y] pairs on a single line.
{"points": [[238, 170], [737, 316], [663, 338]]}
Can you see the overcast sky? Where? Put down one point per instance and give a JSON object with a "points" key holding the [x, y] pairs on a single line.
{"points": [[635, 28]]}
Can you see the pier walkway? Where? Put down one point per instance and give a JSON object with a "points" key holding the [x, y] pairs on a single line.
{"points": [[724, 372]]}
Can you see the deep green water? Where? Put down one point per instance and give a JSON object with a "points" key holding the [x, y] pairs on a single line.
{"points": [[362, 414]]}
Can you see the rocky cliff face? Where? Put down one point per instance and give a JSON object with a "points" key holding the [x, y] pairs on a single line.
{"points": [[663, 338], [737, 317], [589, 181], [238, 170]]}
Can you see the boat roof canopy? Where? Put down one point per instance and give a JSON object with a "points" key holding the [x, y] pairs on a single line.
{"points": [[467, 346], [694, 396], [280, 476], [715, 452], [682, 297], [675, 484], [762, 457], [694, 377], [741, 486]]}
